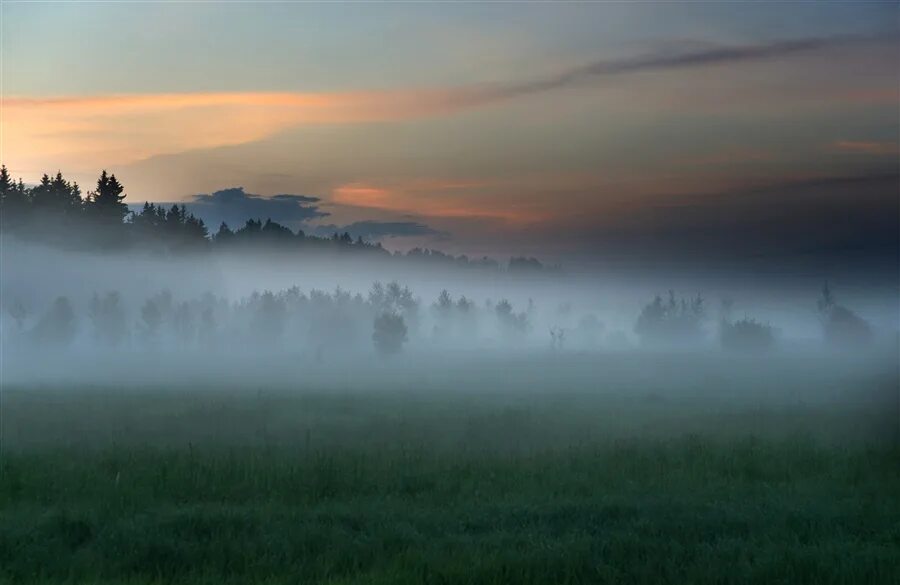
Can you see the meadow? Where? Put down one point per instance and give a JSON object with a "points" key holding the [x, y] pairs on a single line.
{"points": [[580, 468]]}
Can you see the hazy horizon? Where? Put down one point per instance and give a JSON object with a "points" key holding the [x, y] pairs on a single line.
{"points": [[612, 132]]}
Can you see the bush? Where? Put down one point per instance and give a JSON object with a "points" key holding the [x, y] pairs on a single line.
{"points": [[672, 321], [389, 333], [57, 327], [513, 325], [108, 317], [746, 335], [842, 327]]}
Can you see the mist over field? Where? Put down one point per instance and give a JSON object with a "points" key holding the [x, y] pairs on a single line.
{"points": [[562, 357], [447, 293], [277, 317], [595, 356], [238, 416]]}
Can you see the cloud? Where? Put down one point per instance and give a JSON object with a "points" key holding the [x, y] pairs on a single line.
{"points": [[863, 147], [371, 230], [80, 131], [666, 60], [433, 199], [87, 132], [235, 207], [829, 223]]}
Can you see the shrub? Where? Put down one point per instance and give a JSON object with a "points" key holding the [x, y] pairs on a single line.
{"points": [[841, 326], [746, 335], [512, 325], [672, 321], [108, 317], [389, 333], [57, 327], [844, 328]]}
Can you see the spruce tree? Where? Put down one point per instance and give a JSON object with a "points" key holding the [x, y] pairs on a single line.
{"points": [[6, 183], [107, 201], [13, 200]]}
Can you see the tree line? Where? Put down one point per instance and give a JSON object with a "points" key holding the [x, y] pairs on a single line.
{"points": [[325, 324], [322, 322], [56, 211], [679, 322]]}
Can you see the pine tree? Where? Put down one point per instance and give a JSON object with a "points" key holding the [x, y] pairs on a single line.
{"points": [[56, 195], [42, 194], [65, 196], [195, 229], [175, 218], [6, 183], [107, 201], [224, 234], [13, 200]]}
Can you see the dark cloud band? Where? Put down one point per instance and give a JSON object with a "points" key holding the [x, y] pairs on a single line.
{"points": [[234, 207], [668, 60]]}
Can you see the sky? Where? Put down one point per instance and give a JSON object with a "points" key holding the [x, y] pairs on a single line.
{"points": [[610, 130]]}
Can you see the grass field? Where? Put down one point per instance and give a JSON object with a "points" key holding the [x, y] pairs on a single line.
{"points": [[569, 484]]}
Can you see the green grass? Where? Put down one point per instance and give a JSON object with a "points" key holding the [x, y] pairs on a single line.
{"points": [[601, 482], [681, 511]]}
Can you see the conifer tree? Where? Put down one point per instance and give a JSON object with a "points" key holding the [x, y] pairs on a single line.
{"points": [[13, 200], [107, 201]]}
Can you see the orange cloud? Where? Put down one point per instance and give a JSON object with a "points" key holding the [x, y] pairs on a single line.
{"points": [[79, 132], [82, 134], [522, 200], [871, 148], [417, 197], [363, 196]]}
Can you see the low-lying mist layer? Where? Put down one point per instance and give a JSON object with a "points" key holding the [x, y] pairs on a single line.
{"points": [[67, 310]]}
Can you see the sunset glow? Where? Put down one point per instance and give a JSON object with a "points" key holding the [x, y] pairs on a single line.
{"points": [[537, 131]]}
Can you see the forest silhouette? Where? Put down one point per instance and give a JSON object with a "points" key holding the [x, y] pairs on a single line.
{"points": [[57, 212]]}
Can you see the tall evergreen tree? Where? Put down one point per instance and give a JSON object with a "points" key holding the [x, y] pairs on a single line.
{"points": [[107, 201], [52, 201], [195, 229], [175, 218], [64, 196], [13, 200], [224, 234], [6, 183], [42, 194]]}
